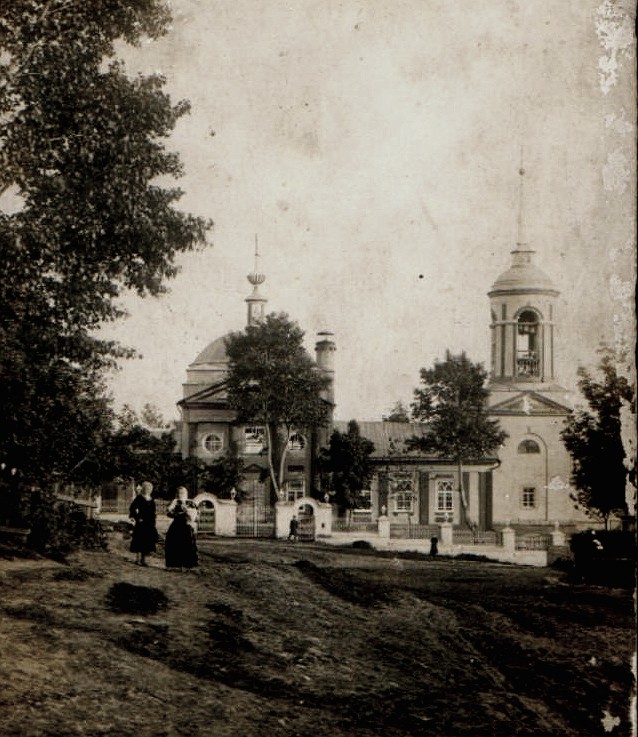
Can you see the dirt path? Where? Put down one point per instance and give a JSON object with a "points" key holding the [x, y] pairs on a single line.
{"points": [[278, 639]]}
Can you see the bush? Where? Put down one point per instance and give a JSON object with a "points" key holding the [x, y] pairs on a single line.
{"points": [[56, 528], [605, 557]]}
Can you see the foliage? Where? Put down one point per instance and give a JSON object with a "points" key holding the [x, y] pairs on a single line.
{"points": [[605, 557], [347, 464], [134, 452], [84, 218], [56, 528], [223, 474], [594, 441], [399, 413], [274, 382], [452, 404]]}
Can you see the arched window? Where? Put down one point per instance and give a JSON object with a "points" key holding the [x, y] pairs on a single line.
{"points": [[527, 344], [296, 442], [212, 443], [529, 446]]}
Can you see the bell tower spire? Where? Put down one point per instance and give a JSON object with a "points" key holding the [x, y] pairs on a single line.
{"points": [[522, 301], [255, 301]]}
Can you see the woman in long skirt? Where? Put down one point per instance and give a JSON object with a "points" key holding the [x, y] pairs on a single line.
{"points": [[180, 545], [142, 512]]}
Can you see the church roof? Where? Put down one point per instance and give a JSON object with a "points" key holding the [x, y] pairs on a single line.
{"points": [[388, 437], [523, 275], [214, 352]]}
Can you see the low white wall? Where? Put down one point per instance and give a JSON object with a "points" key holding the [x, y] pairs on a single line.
{"points": [[538, 558], [225, 513], [284, 512]]}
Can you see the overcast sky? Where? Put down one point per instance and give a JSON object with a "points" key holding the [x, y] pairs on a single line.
{"points": [[374, 147]]}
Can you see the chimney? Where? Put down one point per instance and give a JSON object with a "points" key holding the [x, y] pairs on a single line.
{"points": [[324, 350]]}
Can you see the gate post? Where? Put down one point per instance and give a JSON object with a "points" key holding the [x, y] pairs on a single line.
{"points": [[283, 514], [446, 534], [226, 518]]}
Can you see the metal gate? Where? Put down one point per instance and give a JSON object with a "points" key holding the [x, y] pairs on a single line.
{"points": [[306, 529], [206, 519], [255, 514]]}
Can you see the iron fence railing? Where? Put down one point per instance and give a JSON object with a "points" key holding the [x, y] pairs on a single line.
{"points": [[342, 525], [533, 542], [414, 532], [474, 537]]}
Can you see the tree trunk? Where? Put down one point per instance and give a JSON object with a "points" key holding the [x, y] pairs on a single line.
{"points": [[271, 466], [464, 500], [282, 459]]}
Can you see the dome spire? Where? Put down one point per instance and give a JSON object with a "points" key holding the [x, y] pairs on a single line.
{"points": [[255, 301], [522, 254], [521, 241]]}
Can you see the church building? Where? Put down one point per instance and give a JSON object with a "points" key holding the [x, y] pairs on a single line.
{"points": [[526, 482], [209, 429]]}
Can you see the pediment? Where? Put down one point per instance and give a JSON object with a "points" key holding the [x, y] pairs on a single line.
{"points": [[528, 403], [214, 393]]}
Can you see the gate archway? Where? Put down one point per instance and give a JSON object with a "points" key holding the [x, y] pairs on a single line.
{"points": [[206, 508], [307, 522]]}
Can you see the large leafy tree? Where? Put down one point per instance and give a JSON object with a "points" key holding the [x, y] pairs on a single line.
{"points": [[593, 438], [347, 464], [273, 381], [452, 404], [224, 474], [83, 216], [135, 452]]}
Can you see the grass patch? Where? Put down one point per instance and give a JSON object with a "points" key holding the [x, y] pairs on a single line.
{"points": [[126, 598]]}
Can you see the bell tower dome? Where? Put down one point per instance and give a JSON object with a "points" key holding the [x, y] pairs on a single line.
{"points": [[522, 301]]}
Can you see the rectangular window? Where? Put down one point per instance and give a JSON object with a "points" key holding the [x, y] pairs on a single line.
{"points": [[528, 499], [295, 489], [364, 500], [403, 502], [444, 495], [401, 492], [254, 439]]}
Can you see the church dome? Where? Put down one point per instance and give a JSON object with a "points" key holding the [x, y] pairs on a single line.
{"points": [[214, 352], [523, 276]]}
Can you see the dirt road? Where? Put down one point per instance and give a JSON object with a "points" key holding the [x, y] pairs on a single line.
{"points": [[282, 639]]}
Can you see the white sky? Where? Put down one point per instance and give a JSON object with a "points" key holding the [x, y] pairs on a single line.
{"points": [[374, 148]]}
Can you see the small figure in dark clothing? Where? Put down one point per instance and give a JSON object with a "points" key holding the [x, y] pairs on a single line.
{"points": [[142, 512], [294, 528], [180, 545], [434, 546]]}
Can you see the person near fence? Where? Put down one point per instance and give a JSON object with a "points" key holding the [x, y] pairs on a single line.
{"points": [[180, 545], [294, 528], [434, 546], [142, 513]]}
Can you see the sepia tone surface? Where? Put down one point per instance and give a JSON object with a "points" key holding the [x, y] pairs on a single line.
{"points": [[293, 639], [375, 149]]}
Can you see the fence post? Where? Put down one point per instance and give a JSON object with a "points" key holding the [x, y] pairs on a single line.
{"points": [[557, 536], [508, 536], [383, 526], [446, 534]]}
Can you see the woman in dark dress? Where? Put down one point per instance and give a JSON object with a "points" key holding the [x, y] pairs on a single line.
{"points": [[180, 545], [142, 512]]}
